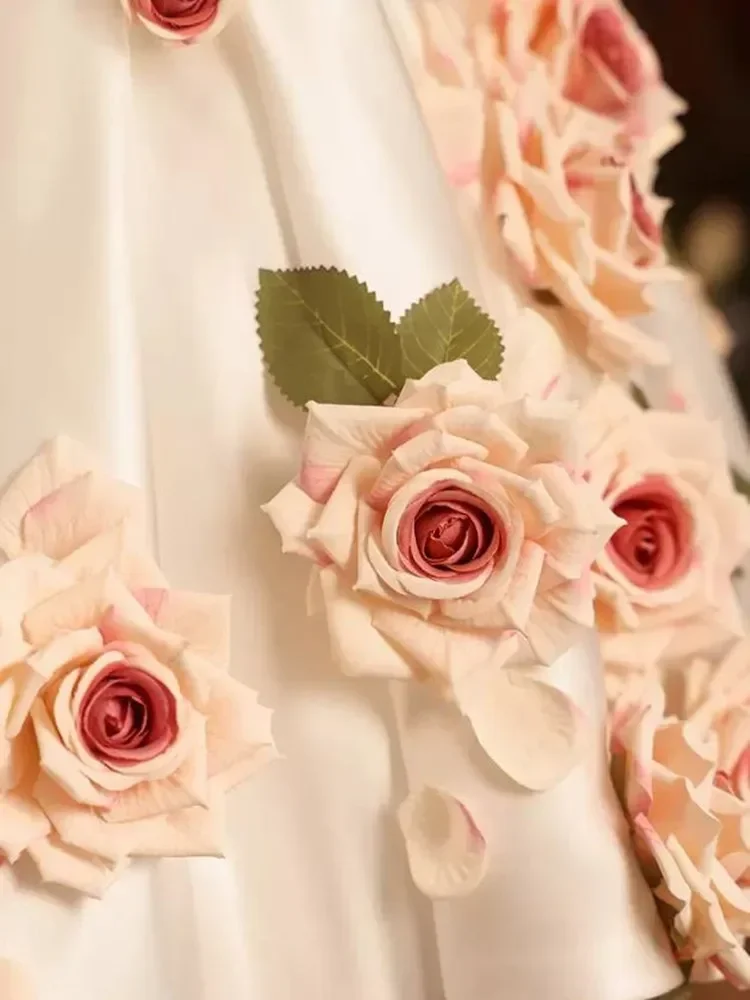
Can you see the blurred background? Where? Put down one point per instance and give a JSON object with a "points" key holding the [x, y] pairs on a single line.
{"points": [[703, 47]]}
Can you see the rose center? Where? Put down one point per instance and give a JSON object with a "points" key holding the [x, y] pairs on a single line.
{"points": [[604, 36], [449, 531], [127, 716], [654, 546]]}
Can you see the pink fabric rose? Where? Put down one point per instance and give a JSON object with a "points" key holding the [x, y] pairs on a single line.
{"points": [[120, 728], [663, 583], [691, 833], [560, 190], [444, 528], [565, 192], [181, 20]]}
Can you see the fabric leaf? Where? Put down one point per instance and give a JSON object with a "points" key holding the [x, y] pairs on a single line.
{"points": [[326, 337], [446, 325]]}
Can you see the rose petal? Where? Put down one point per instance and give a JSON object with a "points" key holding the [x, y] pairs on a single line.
{"points": [[418, 454], [58, 462], [446, 850], [531, 730], [77, 512], [357, 647], [65, 866], [293, 514], [335, 530], [238, 734], [202, 620], [336, 434], [123, 550], [22, 823]]}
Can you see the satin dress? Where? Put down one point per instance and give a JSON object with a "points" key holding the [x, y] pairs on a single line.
{"points": [[142, 186]]}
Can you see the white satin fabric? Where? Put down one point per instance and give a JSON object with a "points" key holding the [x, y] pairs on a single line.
{"points": [[141, 187]]}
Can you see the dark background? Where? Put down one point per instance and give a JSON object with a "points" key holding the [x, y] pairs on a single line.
{"points": [[704, 47]]}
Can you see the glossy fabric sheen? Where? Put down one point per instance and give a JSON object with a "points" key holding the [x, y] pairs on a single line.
{"points": [[141, 187]]}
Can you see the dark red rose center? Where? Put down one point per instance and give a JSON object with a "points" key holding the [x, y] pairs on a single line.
{"points": [[180, 14], [448, 531], [654, 547], [605, 37], [127, 716]]}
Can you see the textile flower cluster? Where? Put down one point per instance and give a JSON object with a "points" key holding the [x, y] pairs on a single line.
{"points": [[663, 582], [549, 117], [690, 825], [449, 532], [120, 727]]}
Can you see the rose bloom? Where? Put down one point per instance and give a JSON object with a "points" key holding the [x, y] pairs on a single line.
{"points": [[593, 53], [120, 728], [716, 699], [549, 183], [444, 527], [691, 833], [181, 20], [663, 582]]}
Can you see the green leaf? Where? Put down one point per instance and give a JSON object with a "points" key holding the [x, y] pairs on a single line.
{"points": [[741, 482], [445, 325], [639, 396], [326, 337]]}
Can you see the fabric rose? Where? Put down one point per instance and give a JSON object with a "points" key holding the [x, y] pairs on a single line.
{"points": [[565, 192], [663, 583], [691, 833], [593, 53], [716, 699], [443, 529], [120, 728], [181, 20]]}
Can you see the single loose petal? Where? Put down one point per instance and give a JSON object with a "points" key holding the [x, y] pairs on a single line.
{"points": [[446, 850], [531, 730]]}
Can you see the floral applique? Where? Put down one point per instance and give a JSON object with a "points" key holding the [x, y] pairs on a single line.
{"points": [[120, 727], [450, 533]]}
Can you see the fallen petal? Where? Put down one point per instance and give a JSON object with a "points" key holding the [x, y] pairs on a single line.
{"points": [[446, 850], [531, 730]]}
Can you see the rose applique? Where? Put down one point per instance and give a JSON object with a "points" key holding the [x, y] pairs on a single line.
{"points": [[663, 582], [449, 531], [691, 833], [120, 728], [181, 20], [548, 118]]}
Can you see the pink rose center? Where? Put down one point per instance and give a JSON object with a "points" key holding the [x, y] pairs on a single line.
{"points": [[179, 15], [448, 531], [127, 716], [654, 547], [604, 37]]}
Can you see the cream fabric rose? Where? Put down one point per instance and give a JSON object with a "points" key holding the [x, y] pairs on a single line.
{"points": [[444, 528], [692, 834], [120, 728], [567, 192], [181, 20], [592, 51], [716, 698], [663, 583]]}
